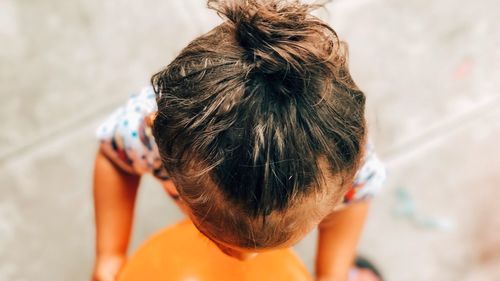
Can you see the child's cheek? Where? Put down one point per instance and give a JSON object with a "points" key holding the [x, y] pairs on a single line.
{"points": [[170, 189]]}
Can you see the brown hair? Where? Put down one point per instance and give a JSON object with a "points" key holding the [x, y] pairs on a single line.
{"points": [[246, 111]]}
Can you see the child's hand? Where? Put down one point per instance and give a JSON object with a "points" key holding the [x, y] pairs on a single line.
{"points": [[107, 268], [355, 274], [362, 274]]}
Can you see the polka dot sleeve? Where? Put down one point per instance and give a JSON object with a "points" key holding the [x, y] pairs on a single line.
{"points": [[369, 178], [127, 139]]}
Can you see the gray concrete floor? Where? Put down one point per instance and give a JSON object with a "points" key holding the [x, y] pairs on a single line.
{"points": [[430, 70]]}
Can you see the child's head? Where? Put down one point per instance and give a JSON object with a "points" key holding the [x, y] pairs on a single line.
{"points": [[259, 124]]}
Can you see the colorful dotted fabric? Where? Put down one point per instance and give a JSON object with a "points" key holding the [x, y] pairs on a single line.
{"points": [[127, 139], [369, 178]]}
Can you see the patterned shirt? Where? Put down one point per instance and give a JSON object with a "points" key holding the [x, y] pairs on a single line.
{"points": [[127, 139]]}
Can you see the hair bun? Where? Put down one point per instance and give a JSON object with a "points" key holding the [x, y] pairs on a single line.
{"points": [[279, 36]]}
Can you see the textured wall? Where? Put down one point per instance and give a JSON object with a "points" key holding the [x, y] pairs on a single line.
{"points": [[429, 69]]}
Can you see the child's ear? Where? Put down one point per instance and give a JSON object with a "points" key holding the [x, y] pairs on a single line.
{"points": [[150, 119]]}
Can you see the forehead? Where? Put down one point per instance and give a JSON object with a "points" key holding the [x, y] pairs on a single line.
{"points": [[220, 241], [227, 224], [280, 230]]}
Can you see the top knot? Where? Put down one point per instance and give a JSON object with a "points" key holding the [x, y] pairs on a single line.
{"points": [[281, 37]]}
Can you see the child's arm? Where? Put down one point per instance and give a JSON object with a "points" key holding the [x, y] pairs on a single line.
{"points": [[114, 199], [338, 238]]}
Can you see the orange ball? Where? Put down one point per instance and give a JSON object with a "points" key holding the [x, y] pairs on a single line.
{"points": [[182, 253]]}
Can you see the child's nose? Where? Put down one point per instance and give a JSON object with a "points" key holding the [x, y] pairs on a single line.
{"points": [[244, 256], [237, 254]]}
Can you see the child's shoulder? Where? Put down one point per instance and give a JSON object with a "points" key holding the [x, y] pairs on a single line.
{"points": [[128, 117], [126, 134], [369, 178]]}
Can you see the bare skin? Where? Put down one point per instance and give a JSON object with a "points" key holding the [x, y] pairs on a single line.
{"points": [[114, 198], [338, 237]]}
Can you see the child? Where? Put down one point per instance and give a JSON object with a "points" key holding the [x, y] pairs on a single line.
{"points": [[257, 130]]}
